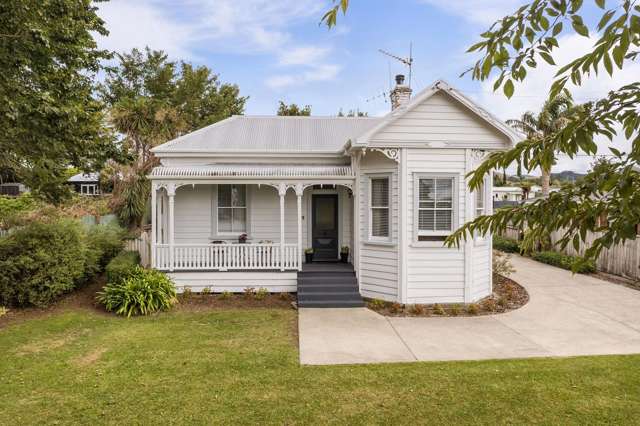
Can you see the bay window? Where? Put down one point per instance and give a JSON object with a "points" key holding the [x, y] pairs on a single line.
{"points": [[435, 204]]}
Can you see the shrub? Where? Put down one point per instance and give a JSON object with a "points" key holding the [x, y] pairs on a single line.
{"points": [[455, 310], [564, 261], [285, 297], [503, 302], [489, 305], [205, 291], [144, 292], [261, 293], [249, 292], [417, 310], [376, 304], [3, 311], [107, 240], [40, 262], [187, 292], [225, 295], [122, 266], [395, 308], [438, 309], [506, 245], [473, 309], [502, 264]]}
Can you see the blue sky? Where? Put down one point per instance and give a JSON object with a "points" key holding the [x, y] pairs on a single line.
{"points": [[275, 49]]}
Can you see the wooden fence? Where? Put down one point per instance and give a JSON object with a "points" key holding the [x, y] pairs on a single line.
{"points": [[142, 245], [621, 259]]}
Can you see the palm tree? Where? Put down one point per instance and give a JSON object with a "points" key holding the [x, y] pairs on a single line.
{"points": [[551, 119]]}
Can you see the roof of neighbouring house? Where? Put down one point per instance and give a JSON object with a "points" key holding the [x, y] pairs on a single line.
{"points": [[269, 134], [84, 177]]}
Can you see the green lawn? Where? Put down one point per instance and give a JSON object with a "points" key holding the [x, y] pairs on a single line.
{"points": [[241, 366]]}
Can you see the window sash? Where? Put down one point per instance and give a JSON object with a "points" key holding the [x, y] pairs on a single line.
{"points": [[435, 205], [480, 205], [231, 209], [379, 211]]}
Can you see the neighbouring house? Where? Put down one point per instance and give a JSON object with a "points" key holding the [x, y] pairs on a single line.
{"points": [[86, 183], [236, 204], [13, 188]]}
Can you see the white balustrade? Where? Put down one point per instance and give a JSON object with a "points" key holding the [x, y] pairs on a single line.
{"points": [[226, 257]]}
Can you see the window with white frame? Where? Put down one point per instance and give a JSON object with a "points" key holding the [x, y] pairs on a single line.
{"points": [[479, 196], [232, 209], [435, 205], [89, 189], [379, 216]]}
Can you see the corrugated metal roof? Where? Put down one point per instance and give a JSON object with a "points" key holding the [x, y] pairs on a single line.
{"points": [[272, 134], [84, 177], [254, 170]]}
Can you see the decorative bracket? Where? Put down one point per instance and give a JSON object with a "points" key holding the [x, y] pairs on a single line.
{"points": [[391, 153]]}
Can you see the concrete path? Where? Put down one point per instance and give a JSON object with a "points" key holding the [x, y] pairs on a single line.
{"points": [[566, 315]]}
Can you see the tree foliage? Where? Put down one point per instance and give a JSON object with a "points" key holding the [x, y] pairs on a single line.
{"points": [[553, 117], [152, 100], [511, 49], [48, 114], [293, 110], [607, 199]]}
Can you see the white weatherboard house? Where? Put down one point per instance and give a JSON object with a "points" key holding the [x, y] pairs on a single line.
{"points": [[389, 188]]}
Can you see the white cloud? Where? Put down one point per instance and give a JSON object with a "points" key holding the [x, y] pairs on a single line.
{"points": [[303, 55], [140, 24], [238, 26], [324, 72], [531, 94], [483, 12], [280, 81]]}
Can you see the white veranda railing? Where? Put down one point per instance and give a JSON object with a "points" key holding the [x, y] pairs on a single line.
{"points": [[225, 257]]}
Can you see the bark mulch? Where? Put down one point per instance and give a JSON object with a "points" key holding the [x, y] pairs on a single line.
{"points": [[507, 296]]}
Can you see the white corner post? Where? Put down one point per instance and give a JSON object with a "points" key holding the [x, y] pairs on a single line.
{"points": [[154, 223], [299, 192], [171, 192], [468, 215], [282, 191]]}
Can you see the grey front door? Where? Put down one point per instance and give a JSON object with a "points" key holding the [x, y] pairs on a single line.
{"points": [[324, 227]]}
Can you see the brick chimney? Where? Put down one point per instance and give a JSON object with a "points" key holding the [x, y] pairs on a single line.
{"points": [[400, 94]]}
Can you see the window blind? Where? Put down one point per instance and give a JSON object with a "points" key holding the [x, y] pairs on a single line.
{"points": [[379, 207]]}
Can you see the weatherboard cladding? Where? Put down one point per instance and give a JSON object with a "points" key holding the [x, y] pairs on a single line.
{"points": [[272, 135], [253, 170]]}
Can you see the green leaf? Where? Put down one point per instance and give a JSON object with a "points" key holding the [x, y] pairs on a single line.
{"points": [[547, 58], [607, 63], [600, 3], [557, 29], [508, 88], [581, 29], [605, 19]]}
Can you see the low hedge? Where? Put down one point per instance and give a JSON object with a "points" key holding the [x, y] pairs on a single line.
{"points": [[565, 261], [122, 266], [506, 245], [41, 261]]}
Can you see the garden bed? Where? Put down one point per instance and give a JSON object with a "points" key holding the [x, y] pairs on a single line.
{"points": [[207, 301], [507, 296]]}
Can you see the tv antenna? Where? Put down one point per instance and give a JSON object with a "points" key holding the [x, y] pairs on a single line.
{"points": [[405, 61]]}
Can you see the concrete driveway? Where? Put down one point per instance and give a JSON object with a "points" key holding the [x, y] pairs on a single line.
{"points": [[567, 315]]}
